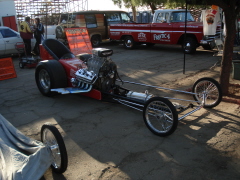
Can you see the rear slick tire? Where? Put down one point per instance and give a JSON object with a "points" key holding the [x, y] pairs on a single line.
{"points": [[50, 74]]}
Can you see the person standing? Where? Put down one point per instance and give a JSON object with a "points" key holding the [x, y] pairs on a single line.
{"points": [[26, 33], [38, 34]]}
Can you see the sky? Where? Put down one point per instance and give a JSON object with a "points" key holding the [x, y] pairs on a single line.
{"points": [[103, 5]]}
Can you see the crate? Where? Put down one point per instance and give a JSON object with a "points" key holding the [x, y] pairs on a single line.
{"points": [[236, 69]]}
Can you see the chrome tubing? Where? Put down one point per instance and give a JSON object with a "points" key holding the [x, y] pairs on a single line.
{"points": [[186, 92], [180, 99], [185, 115], [126, 103]]}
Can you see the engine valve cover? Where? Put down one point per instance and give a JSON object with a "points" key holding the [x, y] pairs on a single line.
{"points": [[86, 76]]}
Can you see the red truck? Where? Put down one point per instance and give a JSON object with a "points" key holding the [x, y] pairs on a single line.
{"points": [[167, 27]]}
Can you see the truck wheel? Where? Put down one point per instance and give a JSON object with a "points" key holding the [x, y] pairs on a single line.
{"points": [[160, 116], [50, 74], [129, 42], [189, 46], [95, 40]]}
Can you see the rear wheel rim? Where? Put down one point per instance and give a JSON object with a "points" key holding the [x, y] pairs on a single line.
{"points": [[44, 79]]}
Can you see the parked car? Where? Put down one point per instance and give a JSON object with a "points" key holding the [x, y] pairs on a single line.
{"points": [[8, 39], [96, 22]]}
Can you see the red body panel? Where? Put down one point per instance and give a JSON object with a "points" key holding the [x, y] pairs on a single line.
{"points": [[79, 42], [44, 54]]}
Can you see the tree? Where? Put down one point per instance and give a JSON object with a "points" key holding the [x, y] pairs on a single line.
{"points": [[127, 4], [151, 3], [231, 9]]}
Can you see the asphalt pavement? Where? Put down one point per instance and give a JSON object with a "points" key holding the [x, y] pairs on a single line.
{"points": [[111, 141]]}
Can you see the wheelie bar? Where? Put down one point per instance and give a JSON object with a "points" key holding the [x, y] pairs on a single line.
{"points": [[185, 115]]}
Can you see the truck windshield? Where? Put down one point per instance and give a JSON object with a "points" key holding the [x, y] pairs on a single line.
{"points": [[180, 17], [125, 18]]}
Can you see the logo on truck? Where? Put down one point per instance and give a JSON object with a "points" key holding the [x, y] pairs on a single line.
{"points": [[142, 37], [161, 37]]}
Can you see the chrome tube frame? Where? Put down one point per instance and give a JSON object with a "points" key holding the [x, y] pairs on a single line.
{"points": [[187, 114], [157, 87], [129, 103]]}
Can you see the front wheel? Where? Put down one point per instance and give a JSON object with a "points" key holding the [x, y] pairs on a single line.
{"points": [[160, 116], [208, 92], [95, 40], [129, 42], [52, 138], [189, 46]]}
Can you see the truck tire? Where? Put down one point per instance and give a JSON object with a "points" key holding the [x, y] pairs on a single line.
{"points": [[189, 46], [95, 40], [129, 42]]}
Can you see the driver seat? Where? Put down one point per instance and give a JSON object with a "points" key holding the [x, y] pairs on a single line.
{"points": [[57, 49]]}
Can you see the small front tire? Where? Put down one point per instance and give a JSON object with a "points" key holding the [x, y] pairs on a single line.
{"points": [[52, 138], [208, 88], [160, 116]]}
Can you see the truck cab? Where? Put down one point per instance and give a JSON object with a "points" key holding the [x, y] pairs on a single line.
{"points": [[168, 27]]}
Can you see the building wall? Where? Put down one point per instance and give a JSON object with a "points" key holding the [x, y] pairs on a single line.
{"points": [[7, 8]]}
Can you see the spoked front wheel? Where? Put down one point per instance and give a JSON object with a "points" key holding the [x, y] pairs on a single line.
{"points": [[52, 138], [208, 92], [160, 116]]}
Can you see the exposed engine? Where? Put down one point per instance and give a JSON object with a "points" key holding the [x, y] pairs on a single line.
{"points": [[100, 72]]}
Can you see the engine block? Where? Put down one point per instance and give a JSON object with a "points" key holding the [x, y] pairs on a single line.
{"points": [[99, 62]]}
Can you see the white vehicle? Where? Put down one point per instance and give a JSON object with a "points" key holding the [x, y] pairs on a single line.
{"points": [[8, 39]]}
